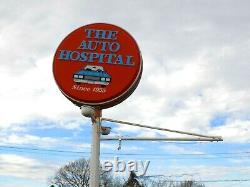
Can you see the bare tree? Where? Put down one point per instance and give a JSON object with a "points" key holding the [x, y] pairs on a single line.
{"points": [[160, 181], [190, 184], [76, 174]]}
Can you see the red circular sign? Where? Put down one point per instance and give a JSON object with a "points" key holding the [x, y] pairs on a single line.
{"points": [[98, 65]]}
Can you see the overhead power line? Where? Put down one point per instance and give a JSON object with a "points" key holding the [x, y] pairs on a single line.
{"points": [[201, 181], [40, 149], [218, 181], [16, 148]]}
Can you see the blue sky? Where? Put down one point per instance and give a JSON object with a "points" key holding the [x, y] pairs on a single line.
{"points": [[195, 78]]}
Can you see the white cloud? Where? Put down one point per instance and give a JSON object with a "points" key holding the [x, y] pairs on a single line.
{"points": [[27, 139], [174, 149], [24, 167], [34, 95], [194, 66], [235, 131]]}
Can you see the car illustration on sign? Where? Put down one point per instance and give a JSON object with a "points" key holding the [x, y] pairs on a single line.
{"points": [[92, 75]]}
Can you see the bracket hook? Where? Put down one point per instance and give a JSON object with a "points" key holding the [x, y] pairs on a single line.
{"points": [[120, 144]]}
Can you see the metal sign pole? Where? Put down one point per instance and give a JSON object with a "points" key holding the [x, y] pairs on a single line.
{"points": [[95, 116], [95, 153]]}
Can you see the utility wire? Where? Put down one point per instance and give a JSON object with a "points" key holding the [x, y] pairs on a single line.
{"points": [[241, 154], [217, 181], [201, 181]]}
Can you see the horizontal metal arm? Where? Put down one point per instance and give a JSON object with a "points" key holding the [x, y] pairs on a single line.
{"points": [[163, 129], [161, 139]]}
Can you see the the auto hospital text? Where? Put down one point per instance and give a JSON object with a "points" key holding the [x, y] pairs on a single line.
{"points": [[104, 41]]}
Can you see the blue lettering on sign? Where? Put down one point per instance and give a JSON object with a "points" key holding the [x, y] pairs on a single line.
{"points": [[64, 55], [92, 57], [101, 34], [104, 46], [107, 49]]}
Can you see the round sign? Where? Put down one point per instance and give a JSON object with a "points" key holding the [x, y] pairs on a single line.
{"points": [[98, 65]]}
